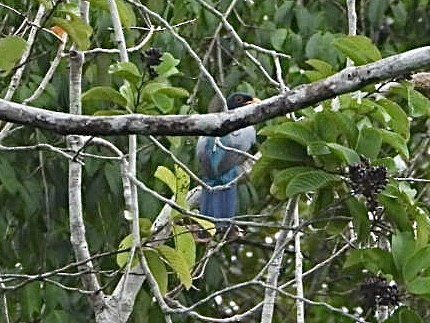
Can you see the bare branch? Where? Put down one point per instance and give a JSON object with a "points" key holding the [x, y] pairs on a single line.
{"points": [[219, 124]]}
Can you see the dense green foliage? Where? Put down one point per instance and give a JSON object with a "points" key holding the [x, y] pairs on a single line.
{"points": [[309, 156]]}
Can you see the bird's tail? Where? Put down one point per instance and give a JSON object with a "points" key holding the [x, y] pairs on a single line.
{"points": [[219, 204]]}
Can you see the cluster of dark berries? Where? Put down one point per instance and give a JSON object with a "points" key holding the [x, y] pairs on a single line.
{"points": [[376, 291], [152, 58], [367, 180]]}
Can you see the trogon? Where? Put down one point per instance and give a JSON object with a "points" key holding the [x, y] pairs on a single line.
{"points": [[220, 166]]}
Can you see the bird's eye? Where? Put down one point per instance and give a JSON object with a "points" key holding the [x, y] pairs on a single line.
{"points": [[239, 99]]}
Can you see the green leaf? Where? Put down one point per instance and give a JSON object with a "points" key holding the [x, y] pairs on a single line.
{"points": [[360, 218], [185, 244], [158, 269], [359, 48], [167, 177], [417, 103], [278, 38], [423, 227], [31, 300], [418, 263], [163, 102], [403, 247], [122, 257], [282, 178], [11, 50], [404, 315], [182, 186], [284, 149], [127, 71], [373, 259], [321, 70], [296, 131], [369, 143], [309, 182], [104, 93], [167, 67], [318, 148], [78, 31], [174, 92], [344, 153], [399, 120], [396, 141], [125, 11], [176, 260], [395, 212], [419, 286]]}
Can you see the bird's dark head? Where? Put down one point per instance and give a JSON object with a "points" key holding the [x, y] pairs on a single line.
{"points": [[237, 100]]}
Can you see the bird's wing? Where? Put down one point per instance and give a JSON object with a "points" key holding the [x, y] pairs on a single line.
{"points": [[216, 161], [243, 140]]}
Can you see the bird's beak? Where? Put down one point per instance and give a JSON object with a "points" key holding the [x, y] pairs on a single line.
{"points": [[254, 100]]}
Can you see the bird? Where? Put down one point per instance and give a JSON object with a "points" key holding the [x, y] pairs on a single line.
{"points": [[220, 166]]}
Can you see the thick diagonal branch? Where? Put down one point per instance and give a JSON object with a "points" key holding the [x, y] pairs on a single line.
{"points": [[219, 124]]}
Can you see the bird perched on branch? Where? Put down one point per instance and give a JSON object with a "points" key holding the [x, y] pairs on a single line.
{"points": [[219, 165]]}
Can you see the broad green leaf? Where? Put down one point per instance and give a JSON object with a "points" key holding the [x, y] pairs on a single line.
{"points": [[182, 186], [309, 182], [403, 247], [419, 262], [319, 46], [126, 70], [8, 177], [158, 269], [178, 263], [126, 243], [318, 148], [126, 12], [282, 179], [359, 48], [395, 212], [173, 92], [11, 50], [78, 31], [104, 93], [360, 218], [185, 244], [344, 153], [296, 131], [207, 225], [164, 103], [321, 70], [130, 94], [369, 143], [122, 257], [418, 104], [150, 88], [328, 126], [373, 259], [419, 286], [423, 227], [167, 177], [404, 315], [399, 120], [284, 149], [396, 141], [167, 67], [278, 38], [31, 300]]}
